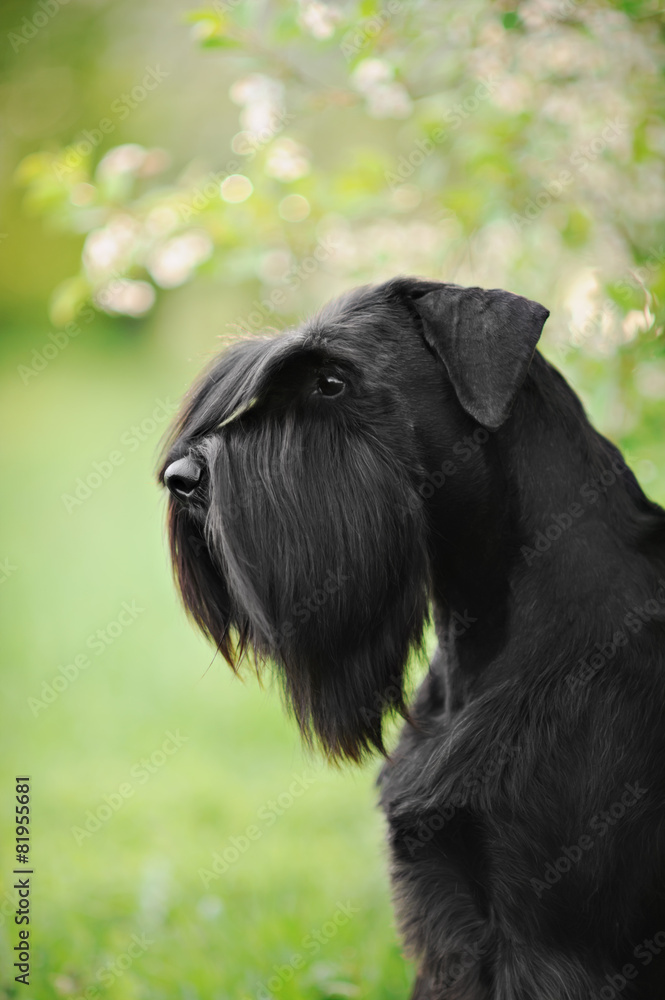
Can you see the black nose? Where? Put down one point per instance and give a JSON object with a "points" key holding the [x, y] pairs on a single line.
{"points": [[181, 477]]}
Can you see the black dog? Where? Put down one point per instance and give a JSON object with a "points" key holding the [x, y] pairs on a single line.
{"points": [[407, 449]]}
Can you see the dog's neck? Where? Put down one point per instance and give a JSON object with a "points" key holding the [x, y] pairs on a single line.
{"points": [[561, 529]]}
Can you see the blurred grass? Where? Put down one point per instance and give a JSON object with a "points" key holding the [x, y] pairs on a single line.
{"points": [[139, 872]]}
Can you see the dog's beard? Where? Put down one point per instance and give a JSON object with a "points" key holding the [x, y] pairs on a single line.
{"points": [[314, 556]]}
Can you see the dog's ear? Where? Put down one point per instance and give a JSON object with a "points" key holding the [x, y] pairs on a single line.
{"points": [[486, 340]]}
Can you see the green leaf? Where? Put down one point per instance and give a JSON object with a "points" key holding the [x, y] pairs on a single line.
{"points": [[511, 19], [219, 42], [203, 14]]}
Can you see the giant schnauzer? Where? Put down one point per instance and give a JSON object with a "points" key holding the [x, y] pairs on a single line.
{"points": [[408, 453]]}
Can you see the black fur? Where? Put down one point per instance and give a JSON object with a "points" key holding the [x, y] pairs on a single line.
{"points": [[454, 471]]}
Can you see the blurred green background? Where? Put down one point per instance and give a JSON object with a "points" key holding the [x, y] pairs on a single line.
{"points": [[172, 177]]}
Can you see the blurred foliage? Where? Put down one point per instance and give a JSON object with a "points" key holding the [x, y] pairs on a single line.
{"points": [[517, 146], [174, 174]]}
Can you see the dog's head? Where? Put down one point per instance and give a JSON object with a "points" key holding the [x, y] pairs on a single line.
{"points": [[299, 527]]}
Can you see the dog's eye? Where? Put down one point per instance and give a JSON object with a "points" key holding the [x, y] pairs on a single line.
{"points": [[329, 385]]}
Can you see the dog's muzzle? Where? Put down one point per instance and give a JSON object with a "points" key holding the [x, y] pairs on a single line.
{"points": [[182, 477]]}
